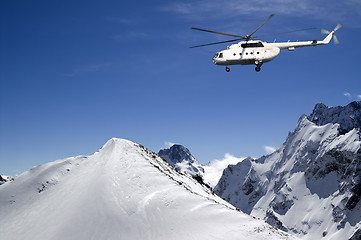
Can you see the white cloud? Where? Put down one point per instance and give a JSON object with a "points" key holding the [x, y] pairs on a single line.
{"points": [[346, 11], [222, 8], [352, 97], [347, 94], [181, 8], [214, 169], [225, 161], [269, 149], [168, 144]]}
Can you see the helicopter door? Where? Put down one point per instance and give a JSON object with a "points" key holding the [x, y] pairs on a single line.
{"points": [[249, 54]]}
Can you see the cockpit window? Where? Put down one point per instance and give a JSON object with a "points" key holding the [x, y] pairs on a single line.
{"points": [[220, 55]]}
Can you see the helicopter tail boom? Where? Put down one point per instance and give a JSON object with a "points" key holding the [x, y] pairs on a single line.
{"points": [[326, 40]]}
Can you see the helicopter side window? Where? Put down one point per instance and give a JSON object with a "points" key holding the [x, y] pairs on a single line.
{"points": [[251, 45], [220, 55]]}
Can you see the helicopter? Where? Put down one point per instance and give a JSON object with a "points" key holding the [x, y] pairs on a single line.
{"points": [[257, 52]]}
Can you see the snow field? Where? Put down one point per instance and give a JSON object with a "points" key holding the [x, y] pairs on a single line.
{"points": [[123, 191]]}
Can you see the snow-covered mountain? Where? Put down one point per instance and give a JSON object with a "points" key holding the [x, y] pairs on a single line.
{"points": [[183, 161], [4, 179], [123, 191], [311, 185]]}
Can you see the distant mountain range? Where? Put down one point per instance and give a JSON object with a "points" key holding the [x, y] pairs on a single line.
{"points": [[309, 187]]}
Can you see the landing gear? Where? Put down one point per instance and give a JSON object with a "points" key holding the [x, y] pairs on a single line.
{"points": [[258, 67], [228, 69]]}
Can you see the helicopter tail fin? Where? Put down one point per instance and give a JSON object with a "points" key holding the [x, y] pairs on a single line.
{"points": [[328, 38]]}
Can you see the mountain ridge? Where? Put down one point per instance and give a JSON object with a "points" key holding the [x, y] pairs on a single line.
{"points": [[349, 116], [122, 191], [318, 165]]}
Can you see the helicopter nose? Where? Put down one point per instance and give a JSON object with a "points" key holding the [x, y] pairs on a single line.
{"points": [[214, 60]]}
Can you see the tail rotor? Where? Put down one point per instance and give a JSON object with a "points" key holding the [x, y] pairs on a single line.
{"points": [[335, 39]]}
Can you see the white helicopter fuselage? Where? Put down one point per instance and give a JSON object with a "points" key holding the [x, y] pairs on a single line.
{"points": [[258, 52], [246, 53]]}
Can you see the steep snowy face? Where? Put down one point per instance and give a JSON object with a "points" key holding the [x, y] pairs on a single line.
{"points": [[182, 160], [311, 185], [239, 185], [123, 191]]}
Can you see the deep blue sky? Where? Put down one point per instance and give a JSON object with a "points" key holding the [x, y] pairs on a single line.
{"points": [[75, 74]]}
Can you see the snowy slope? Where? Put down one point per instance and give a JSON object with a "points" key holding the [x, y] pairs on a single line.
{"points": [[123, 191], [311, 185]]}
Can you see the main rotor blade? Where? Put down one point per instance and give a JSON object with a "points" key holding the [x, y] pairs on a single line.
{"points": [[298, 30], [203, 45], [210, 31], [261, 25]]}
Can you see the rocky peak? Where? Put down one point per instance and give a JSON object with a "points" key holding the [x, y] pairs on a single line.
{"points": [[176, 154], [349, 117], [181, 159], [4, 179]]}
